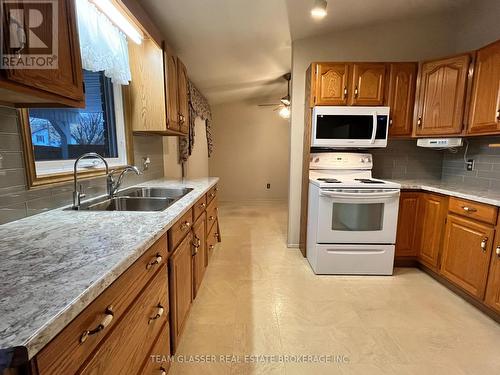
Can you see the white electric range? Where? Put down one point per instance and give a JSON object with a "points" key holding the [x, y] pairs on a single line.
{"points": [[352, 217]]}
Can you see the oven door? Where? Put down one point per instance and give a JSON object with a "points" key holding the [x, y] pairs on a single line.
{"points": [[348, 127], [357, 216]]}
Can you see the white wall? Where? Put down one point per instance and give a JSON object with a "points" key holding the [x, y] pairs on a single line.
{"points": [[251, 150], [411, 40], [197, 164], [478, 25]]}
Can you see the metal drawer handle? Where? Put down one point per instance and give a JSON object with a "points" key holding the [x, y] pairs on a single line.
{"points": [[212, 195], [104, 323], [484, 242], [156, 260], [163, 371], [216, 235], [469, 209], [185, 225], [498, 251], [211, 218], [159, 313]]}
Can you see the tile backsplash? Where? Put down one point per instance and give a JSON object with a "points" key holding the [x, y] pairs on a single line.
{"points": [[16, 201], [486, 173]]}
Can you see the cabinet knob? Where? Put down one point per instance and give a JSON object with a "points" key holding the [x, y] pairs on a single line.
{"points": [[163, 371], [203, 205], [159, 313], [419, 122], [212, 247], [181, 118], [211, 218], [498, 114], [345, 92], [108, 317], [185, 225], [390, 122], [156, 260], [484, 242], [498, 251], [356, 92]]}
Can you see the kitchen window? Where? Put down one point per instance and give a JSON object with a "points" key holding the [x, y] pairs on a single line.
{"points": [[55, 137]]}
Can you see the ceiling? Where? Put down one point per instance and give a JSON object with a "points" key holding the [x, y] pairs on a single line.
{"points": [[239, 49]]}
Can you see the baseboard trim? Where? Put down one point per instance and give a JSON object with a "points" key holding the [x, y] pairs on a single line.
{"points": [[292, 245], [405, 262]]}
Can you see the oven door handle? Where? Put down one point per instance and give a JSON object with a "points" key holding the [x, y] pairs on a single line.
{"points": [[375, 125], [360, 196]]}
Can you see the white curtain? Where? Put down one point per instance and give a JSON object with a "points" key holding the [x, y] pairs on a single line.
{"points": [[103, 46]]}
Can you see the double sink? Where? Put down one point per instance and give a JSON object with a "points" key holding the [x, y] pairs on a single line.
{"points": [[137, 199]]}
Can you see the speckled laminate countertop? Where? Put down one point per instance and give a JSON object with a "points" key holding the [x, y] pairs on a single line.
{"points": [[55, 264], [473, 194]]}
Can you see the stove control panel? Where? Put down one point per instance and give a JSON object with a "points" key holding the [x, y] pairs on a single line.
{"points": [[341, 160]]}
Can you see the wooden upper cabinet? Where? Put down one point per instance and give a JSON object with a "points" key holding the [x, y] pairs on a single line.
{"points": [[484, 113], [466, 253], [331, 84], [368, 84], [401, 98], [432, 216], [62, 86], [183, 97], [146, 91], [492, 297], [172, 89], [441, 96], [406, 237]]}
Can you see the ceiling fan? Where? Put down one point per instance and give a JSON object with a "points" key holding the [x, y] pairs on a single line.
{"points": [[284, 106]]}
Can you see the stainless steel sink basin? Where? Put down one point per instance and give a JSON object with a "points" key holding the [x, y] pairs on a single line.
{"points": [[130, 204], [153, 192]]}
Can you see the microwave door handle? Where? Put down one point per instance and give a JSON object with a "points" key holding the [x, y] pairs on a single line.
{"points": [[374, 132]]}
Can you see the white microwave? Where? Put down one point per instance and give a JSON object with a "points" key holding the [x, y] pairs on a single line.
{"points": [[350, 127]]}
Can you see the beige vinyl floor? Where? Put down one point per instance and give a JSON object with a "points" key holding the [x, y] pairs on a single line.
{"points": [[260, 302]]}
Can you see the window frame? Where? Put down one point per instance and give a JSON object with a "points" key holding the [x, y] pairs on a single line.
{"points": [[34, 179]]}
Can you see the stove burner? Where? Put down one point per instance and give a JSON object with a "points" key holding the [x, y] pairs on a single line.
{"points": [[368, 181], [330, 180]]}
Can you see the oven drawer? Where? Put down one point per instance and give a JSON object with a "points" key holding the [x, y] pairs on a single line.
{"points": [[352, 259]]}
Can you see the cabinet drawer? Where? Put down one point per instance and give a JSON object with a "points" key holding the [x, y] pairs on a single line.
{"points": [[180, 229], [211, 214], [199, 207], [474, 210], [65, 353], [126, 347], [212, 193], [157, 362]]}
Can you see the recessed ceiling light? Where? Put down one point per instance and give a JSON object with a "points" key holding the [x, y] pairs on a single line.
{"points": [[319, 9]]}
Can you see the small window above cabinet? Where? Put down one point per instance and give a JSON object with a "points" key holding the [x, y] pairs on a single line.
{"points": [[47, 73]]}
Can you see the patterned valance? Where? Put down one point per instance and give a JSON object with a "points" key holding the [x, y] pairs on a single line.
{"points": [[198, 107]]}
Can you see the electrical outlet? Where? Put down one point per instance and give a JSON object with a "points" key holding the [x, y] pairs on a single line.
{"points": [[470, 164], [268, 186]]}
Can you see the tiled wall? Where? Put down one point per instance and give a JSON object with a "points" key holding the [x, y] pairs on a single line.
{"points": [[402, 159], [486, 173], [16, 201]]}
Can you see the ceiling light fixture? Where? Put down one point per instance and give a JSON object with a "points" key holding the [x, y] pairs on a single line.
{"points": [[319, 9], [284, 112], [120, 21]]}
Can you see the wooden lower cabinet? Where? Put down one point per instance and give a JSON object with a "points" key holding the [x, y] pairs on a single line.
{"points": [[492, 297], [158, 362], [466, 253], [407, 228], [181, 288], [199, 252], [432, 216], [129, 343]]}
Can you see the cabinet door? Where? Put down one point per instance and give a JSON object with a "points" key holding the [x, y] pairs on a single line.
{"points": [[492, 297], [183, 97], [368, 84], [67, 80], [146, 91], [484, 115], [432, 218], [331, 84], [181, 288], [441, 99], [200, 249], [401, 98], [466, 254], [407, 230], [172, 88]]}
